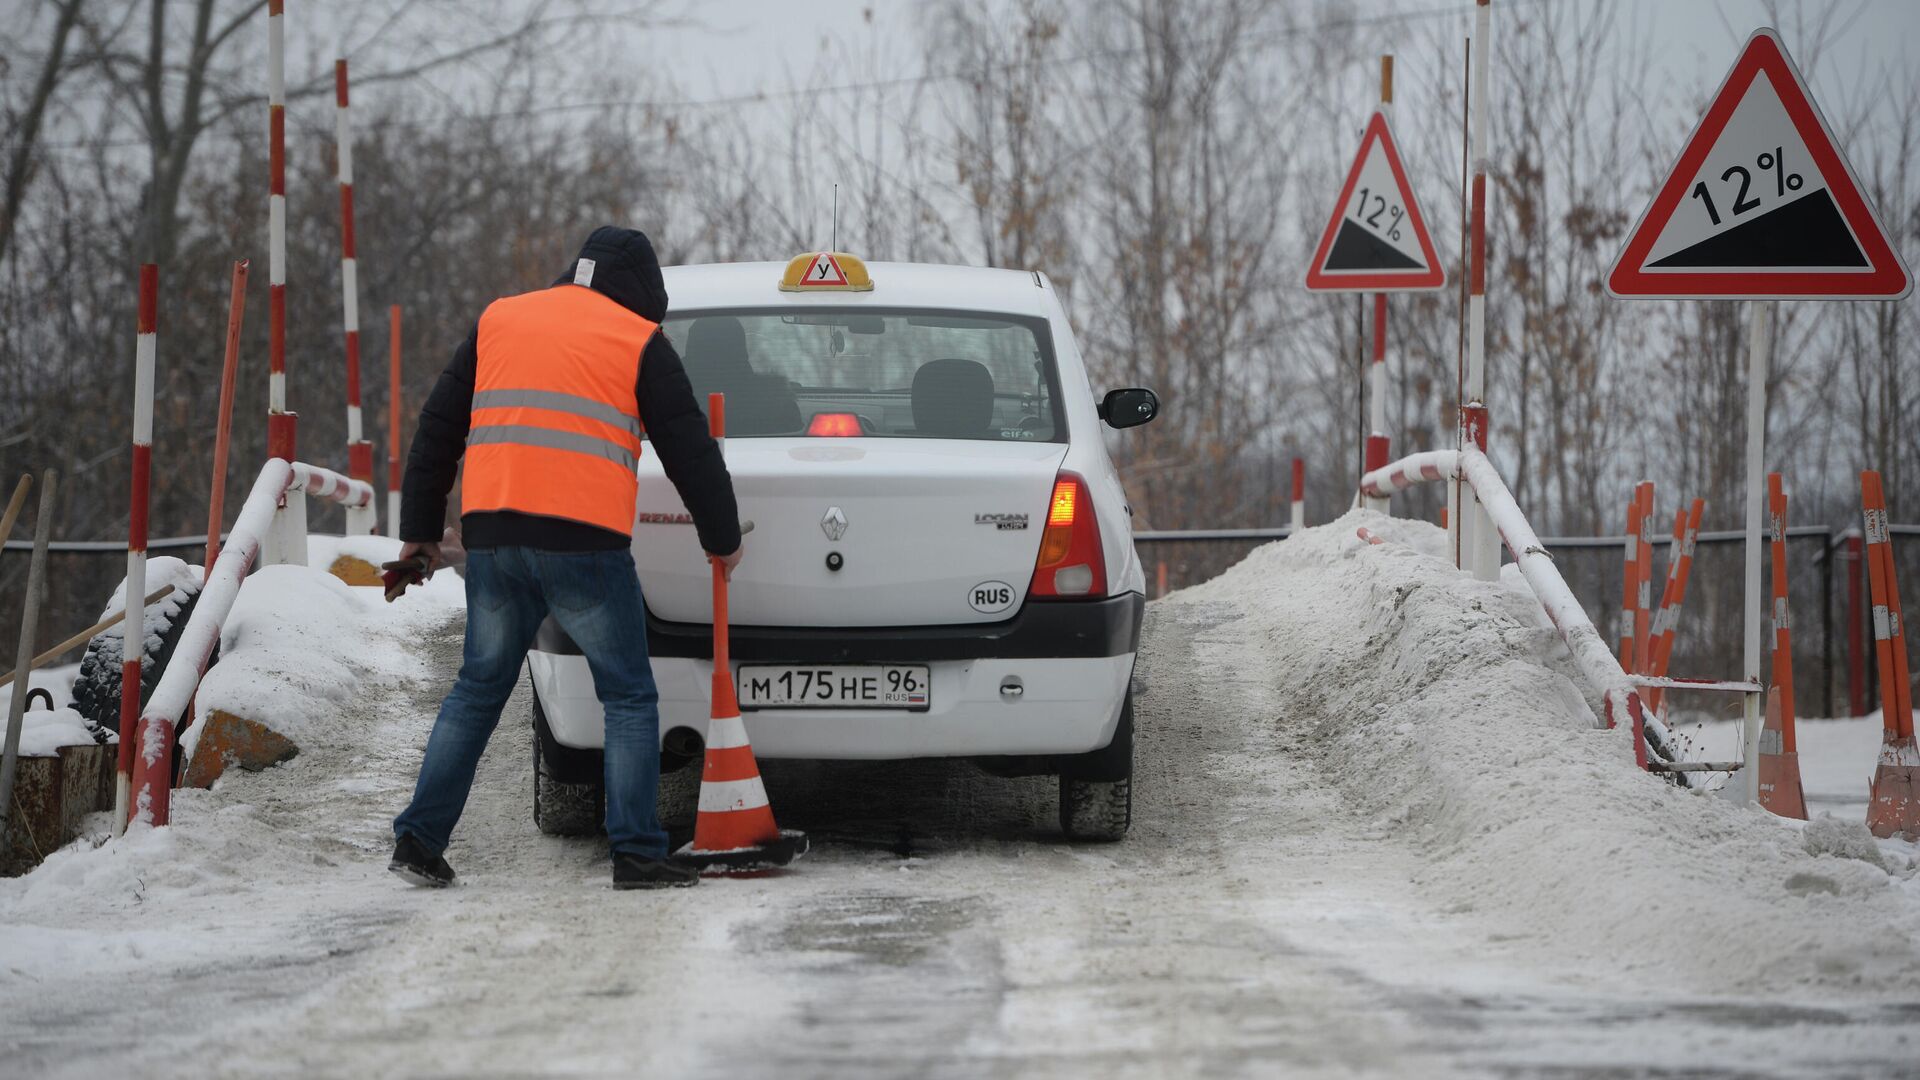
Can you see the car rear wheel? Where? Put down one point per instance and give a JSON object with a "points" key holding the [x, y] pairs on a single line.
{"points": [[569, 785], [1096, 789]]}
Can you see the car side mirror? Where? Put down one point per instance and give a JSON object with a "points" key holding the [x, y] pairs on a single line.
{"points": [[1129, 406]]}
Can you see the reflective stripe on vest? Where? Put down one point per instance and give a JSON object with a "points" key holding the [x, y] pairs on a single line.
{"points": [[555, 428]]}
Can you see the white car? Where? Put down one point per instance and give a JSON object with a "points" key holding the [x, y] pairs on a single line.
{"points": [[942, 561]]}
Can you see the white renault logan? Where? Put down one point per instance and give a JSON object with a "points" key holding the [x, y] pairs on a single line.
{"points": [[942, 561]]}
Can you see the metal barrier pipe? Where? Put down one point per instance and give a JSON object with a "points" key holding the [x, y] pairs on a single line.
{"points": [[153, 757]]}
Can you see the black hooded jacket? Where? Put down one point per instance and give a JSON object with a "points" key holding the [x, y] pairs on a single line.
{"points": [[627, 272]]}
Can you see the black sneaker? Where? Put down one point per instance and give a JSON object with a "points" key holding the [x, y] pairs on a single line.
{"points": [[639, 872], [412, 861]]}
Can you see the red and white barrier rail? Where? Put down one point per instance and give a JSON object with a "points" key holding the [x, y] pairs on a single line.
{"points": [[1589, 650], [279, 481], [1410, 470]]}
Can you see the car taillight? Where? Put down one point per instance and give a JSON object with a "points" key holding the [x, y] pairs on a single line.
{"points": [[834, 425], [1071, 565]]}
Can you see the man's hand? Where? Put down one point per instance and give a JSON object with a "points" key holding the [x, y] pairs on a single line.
{"points": [[728, 562], [415, 565], [414, 549]]}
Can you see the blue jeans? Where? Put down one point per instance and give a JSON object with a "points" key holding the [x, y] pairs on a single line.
{"points": [[595, 597]]}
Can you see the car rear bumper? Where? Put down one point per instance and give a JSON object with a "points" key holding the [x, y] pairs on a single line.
{"points": [[1066, 706], [1072, 662], [1073, 629]]}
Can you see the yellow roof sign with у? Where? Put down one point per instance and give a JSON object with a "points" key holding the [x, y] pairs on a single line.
{"points": [[826, 271]]}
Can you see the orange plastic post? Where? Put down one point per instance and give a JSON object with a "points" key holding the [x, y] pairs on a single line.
{"points": [[1894, 806], [1780, 790], [223, 423], [1629, 585]]}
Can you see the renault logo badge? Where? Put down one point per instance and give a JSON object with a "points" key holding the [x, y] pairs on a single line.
{"points": [[834, 524]]}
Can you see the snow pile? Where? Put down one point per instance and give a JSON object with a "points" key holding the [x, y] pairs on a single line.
{"points": [[1447, 710], [299, 643], [45, 731], [57, 681]]}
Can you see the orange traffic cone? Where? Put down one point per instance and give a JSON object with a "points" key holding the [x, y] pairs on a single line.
{"points": [[1779, 758], [1894, 808], [735, 831]]}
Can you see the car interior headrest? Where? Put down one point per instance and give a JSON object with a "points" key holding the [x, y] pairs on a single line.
{"points": [[952, 399]]}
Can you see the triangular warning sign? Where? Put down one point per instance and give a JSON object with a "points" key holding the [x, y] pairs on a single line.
{"points": [[1762, 204], [1377, 240], [824, 272]]}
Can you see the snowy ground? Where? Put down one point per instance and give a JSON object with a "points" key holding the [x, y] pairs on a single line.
{"points": [[1374, 836]]}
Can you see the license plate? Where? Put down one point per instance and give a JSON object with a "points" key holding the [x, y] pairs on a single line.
{"points": [[840, 686]]}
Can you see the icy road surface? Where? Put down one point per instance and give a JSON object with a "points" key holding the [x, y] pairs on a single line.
{"points": [[1309, 890]]}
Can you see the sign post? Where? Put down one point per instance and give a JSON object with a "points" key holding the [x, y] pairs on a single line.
{"points": [[1376, 241], [1760, 206]]}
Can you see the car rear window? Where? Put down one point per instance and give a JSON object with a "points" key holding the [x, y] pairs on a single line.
{"points": [[876, 373]]}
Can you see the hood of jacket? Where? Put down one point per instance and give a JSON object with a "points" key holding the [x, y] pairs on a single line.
{"points": [[624, 269]]}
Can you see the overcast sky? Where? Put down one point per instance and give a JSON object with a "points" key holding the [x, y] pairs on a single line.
{"points": [[749, 45]]}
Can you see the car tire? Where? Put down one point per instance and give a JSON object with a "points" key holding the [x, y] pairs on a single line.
{"points": [[569, 786], [1096, 789], [569, 798], [563, 809], [678, 803]]}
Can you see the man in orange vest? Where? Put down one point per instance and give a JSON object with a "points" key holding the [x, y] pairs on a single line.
{"points": [[547, 400]]}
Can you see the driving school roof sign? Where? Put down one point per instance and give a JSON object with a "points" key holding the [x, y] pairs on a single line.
{"points": [[1376, 241], [1761, 204], [826, 271]]}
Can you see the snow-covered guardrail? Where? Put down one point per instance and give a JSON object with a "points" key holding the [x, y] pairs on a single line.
{"points": [[153, 760], [1590, 653]]}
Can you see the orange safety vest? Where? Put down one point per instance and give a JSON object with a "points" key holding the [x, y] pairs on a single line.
{"points": [[555, 426]]}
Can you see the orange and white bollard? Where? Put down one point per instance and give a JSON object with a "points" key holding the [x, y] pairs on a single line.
{"points": [[1666, 623], [361, 521], [133, 626], [1643, 582], [735, 832], [1630, 586], [1894, 806], [1780, 790]]}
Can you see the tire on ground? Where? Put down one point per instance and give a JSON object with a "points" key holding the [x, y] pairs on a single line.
{"points": [[1096, 789], [96, 689]]}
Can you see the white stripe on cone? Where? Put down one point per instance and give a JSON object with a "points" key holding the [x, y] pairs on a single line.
{"points": [[725, 796], [726, 732]]}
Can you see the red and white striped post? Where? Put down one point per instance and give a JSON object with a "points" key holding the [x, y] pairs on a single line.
{"points": [[223, 428], [1643, 598], [1779, 764], [1894, 806], [287, 540], [1298, 518], [1376, 450], [133, 627], [393, 421], [1479, 542], [360, 520]]}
